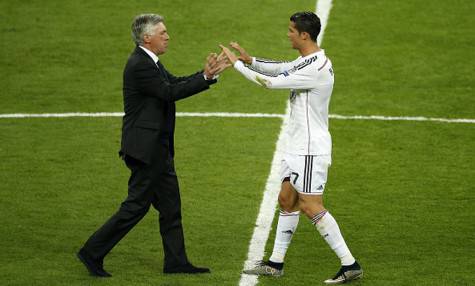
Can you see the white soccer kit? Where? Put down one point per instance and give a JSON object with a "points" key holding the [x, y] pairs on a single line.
{"points": [[308, 147]]}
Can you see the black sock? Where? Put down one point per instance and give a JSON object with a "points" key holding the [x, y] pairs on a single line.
{"points": [[276, 265]]}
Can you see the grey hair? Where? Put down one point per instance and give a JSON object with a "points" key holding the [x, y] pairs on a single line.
{"points": [[143, 25]]}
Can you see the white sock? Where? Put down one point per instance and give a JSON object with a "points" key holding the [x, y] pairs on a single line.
{"points": [[330, 231], [285, 229]]}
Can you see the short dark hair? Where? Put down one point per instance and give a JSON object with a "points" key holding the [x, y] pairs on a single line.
{"points": [[307, 22]]}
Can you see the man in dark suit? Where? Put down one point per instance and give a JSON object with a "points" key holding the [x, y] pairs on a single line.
{"points": [[147, 148]]}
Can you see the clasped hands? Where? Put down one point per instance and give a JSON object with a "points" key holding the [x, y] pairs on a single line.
{"points": [[215, 64]]}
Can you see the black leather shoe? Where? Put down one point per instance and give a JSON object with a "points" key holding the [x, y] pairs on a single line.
{"points": [[187, 269], [94, 267]]}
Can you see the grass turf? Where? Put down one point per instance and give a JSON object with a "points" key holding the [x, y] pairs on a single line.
{"points": [[55, 195], [401, 191]]}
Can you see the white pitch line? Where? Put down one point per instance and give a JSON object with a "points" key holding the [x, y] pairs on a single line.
{"points": [[228, 114], [62, 115], [322, 9], [120, 114], [401, 118], [269, 200], [240, 115], [266, 210]]}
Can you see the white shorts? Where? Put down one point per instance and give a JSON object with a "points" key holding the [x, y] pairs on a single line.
{"points": [[307, 173]]}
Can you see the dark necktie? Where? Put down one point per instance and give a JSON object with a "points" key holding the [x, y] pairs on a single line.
{"points": [[161, 68]]}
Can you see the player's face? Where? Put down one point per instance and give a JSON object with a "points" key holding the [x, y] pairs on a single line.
{"points": [[294, 35], [159, 40]]}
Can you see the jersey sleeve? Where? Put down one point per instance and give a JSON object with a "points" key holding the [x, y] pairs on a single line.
{"points": [[269, 66], [300, 77]]}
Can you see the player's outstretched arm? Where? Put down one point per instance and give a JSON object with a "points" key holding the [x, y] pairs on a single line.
{"points": [[299, 79], [232, 58], [262, 65], [243, 55]]}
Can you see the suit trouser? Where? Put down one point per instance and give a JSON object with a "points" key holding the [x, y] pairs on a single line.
{"points": [[148, 185]]}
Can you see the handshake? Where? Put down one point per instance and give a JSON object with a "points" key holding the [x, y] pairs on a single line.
{"points": [[215, 64]]}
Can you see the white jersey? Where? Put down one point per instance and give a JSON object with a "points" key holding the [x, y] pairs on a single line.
{"points": [[310, 80]]}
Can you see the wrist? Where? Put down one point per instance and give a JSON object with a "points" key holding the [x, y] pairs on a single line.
{"points": [[209, 77], [237, 63]]}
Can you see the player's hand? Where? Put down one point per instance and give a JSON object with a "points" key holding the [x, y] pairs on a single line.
{"points": [[243, 55], [230, 55]]}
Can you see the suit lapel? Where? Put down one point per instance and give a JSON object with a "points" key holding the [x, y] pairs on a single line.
{"points": [[162, 70], [158, 65]]}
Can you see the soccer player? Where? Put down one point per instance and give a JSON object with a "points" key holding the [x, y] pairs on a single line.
{"points": [[307, 156]]}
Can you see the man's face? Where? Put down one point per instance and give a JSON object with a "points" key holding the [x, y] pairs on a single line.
{"points": [[159, 40], [294, 35]]}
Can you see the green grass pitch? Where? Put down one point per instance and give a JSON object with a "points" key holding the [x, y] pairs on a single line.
{"points": [[402, 192]]}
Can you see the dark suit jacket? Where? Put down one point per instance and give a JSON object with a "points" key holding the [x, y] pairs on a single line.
{"points": [[149, 104]]}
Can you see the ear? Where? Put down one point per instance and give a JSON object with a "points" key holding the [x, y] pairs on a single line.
{"points": [[305, 35], [146, 38]]}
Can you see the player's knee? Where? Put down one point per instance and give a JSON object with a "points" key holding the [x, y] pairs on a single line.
{"points": [[286, 203]]}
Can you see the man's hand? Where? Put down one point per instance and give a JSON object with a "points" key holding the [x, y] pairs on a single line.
{"points": [[215, 65], [222, 63], [209, 66], [229, 55], [243, 55]]}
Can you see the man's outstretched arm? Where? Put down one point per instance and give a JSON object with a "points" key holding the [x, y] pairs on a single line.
{"points": [[303, 78], [271, 67]]}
